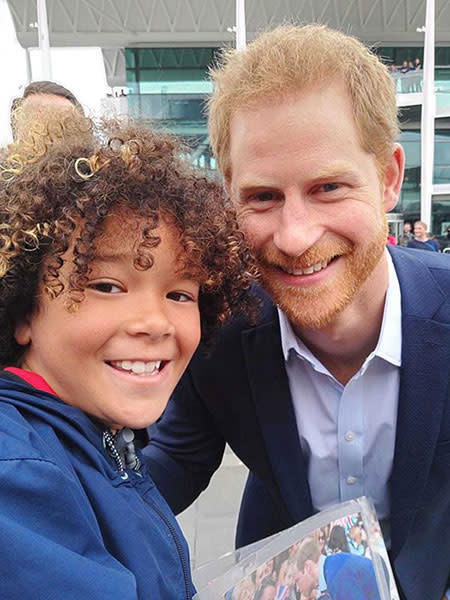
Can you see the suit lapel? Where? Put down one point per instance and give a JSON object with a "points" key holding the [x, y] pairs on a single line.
{"points": [[423, 390], [271, 395]]}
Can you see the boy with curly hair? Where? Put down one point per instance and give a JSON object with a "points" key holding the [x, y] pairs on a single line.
{"points": [[115, 258]]}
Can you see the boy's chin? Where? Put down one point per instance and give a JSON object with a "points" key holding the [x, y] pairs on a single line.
{"points": [[136, 423]]}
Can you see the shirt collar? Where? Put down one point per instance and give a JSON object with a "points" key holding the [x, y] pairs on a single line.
{"points": [[389, 345]]}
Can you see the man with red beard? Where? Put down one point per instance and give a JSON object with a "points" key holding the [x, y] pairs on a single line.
{"points": [[341, 387]]}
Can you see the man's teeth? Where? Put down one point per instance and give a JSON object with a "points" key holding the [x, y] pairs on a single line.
{"points": [[138, 367], [308, 270]]}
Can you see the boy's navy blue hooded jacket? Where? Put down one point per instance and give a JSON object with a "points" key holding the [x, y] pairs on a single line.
{"points": [[71, 525]]}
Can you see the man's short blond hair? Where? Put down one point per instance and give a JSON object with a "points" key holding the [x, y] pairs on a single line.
{"points": [[292, 58]]}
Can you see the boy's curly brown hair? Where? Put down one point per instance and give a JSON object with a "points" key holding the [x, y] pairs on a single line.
{"points": [[56, 191]]}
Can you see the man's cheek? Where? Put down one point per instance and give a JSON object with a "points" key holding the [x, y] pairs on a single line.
{"points": [[253, 229]]}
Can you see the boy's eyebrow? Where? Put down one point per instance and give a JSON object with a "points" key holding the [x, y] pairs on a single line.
{"points": [[183, 273], [187, 274], [112, 256]]}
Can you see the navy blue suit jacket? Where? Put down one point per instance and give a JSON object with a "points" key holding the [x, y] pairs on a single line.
{"points": [[240, 395]]}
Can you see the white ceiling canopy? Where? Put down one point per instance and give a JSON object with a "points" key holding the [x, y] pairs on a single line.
{"points": [[132, 23]]}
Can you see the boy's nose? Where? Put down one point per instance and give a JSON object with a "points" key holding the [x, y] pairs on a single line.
{"points": [[150, 321]]}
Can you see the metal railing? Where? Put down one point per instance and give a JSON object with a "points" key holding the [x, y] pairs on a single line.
{"points": [[408, 83]]}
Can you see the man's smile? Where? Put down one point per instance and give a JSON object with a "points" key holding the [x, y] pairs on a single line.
{"points": [[308, 270]]}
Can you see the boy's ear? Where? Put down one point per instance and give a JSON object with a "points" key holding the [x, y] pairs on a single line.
{"points": [[22, 333]]}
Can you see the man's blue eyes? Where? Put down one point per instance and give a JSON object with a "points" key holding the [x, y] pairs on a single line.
{"points": [[265, 196], [329, 187], [272, 196]]}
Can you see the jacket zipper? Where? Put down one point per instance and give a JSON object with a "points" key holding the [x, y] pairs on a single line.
{"points": [[178, 545], [109, 444]]}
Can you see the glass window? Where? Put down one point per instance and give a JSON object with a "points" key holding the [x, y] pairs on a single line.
{"points": [[396, 55], [169, 86]]}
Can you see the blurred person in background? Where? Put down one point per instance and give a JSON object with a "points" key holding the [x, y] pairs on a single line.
{"points": [[391, 240], [267, 590], [405, 67], [40, 94], [337, 542], [244, 590], [356, 543], [422, 240], [346, 576], [46, 113], [406, 235]]}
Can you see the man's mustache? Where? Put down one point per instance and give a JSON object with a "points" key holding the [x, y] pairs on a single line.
{"points": [[270, 256]]}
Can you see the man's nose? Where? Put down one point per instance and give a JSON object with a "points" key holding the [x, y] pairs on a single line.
{"points": [[298, 226]]}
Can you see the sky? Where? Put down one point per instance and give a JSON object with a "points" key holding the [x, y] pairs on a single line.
{"points": [[68, 68]]}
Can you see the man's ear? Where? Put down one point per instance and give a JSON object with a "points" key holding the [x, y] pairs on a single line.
{"points": [[22, 333], [393, 177]]}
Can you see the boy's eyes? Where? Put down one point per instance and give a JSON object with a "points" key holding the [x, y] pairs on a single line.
{"points": [[105, 287], [181, 297]]}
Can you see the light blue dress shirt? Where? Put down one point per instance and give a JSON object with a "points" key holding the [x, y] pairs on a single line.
{"points": [[347, 433]]}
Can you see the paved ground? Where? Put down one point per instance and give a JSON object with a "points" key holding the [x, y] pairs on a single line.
{"points": [[210, 523]]}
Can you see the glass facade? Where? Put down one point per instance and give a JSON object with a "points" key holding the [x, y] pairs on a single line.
{"points": [[397, 54], [169, 86], [411, 82], [410, 139], [408, 79]]}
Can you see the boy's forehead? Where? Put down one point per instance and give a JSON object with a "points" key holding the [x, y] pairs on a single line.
{"points": [[120, 233], [122, 228], [124, 235]]}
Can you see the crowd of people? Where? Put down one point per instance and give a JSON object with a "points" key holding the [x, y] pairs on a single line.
{"points": [[420, 238], [412, 83], [269, 310], [406, 66], [305, 571]]}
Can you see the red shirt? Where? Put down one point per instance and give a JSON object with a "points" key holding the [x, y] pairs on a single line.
{"points": [[32, 379]]}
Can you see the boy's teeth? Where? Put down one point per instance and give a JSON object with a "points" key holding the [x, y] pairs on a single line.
{"points": [[138, 367]]}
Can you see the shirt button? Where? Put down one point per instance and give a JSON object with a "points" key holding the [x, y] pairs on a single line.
{"points": [[351, 480], [349, 436]]}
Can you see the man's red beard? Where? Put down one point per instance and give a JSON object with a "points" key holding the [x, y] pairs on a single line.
{"points": [[318, 304]]}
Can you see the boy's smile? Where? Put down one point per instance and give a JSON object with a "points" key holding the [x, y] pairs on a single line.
{"points": [[119, 356], [137, 367]]}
